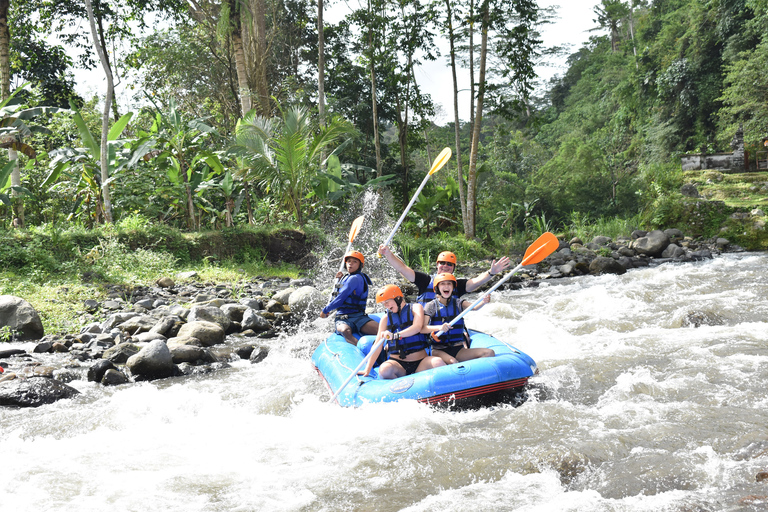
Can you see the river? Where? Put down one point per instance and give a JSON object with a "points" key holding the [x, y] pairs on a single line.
{"points": [[635, 409]]}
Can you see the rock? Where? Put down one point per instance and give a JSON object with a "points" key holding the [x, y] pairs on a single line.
{"points": [[114, 377], [153, 361], [184, 276], [148, 336], [275, 306], [21, 317], [651, 244], [190, 354], [283, 296], [91, 306], [179, 342], [761, 476], [10, 352], [138, 324], [115, 319], [120, 353], [601, 240], [672, 251], [209, 314], [43, 347], [165, 325], [689, 190], [98, 369], [254, 304], [605, 265], [576, 240], [34, 392], [253, 320], [234, 311], [757, 212], [306, 302], [208, 333], [258, 354], [165, 282]]}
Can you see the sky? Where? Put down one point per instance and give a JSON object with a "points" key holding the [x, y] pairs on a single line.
{"points": [[575, 18]]}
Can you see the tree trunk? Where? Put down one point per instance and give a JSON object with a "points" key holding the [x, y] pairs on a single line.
{"points": [[105, 116], [472, 65], [457, 123], [260, 42], [472, 178], [237, 43], [320, 64], [5, 89], [376, 142]]}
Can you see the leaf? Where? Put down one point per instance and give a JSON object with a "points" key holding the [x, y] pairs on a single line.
{"points": [[90, 143], [5, 174], [119, 126]]}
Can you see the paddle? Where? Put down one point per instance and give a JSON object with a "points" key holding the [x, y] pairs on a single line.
{"points": [[438, 164], [545, 245], [352, 234], [362, 363]]}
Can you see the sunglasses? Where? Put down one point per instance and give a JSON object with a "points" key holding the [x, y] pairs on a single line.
{"points": [[445, 263]]}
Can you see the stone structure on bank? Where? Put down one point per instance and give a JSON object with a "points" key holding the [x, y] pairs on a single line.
{"points": [[736, 161], [170, 330]]}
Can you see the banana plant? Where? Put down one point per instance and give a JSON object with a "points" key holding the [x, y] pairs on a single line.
{"points": [[14, 127], [82, 166], [181, 151]]}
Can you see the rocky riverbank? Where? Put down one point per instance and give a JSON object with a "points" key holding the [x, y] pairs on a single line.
{"points": [[180, 327]]}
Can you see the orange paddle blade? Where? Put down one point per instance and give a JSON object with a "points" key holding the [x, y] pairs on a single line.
{"points": [[545, 245], [355, 227], [441, 160]]}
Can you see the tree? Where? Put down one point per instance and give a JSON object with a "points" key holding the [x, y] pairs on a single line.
{"points": [[610, 14], [284, 154], [516, 39]]}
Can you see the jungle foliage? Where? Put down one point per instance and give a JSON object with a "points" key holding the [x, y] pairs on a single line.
{"points": [[602, 141]]}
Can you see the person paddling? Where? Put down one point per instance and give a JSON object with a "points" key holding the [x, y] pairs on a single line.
{"points": [[452, 346], [406, 346], [445, 264], [349, 299]]}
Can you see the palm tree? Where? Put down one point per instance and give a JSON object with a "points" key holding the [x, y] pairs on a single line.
{"points": [[284, 155]]}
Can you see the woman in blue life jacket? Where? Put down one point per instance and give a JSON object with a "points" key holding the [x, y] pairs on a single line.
{"points": [[349, 299], [406, 346], [445, 264], [453, 345]]}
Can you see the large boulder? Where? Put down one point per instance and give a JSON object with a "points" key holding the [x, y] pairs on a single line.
{"points": [[21, 317], [253, 320], [209, 314], [306, 301], [34, 392], [651, 244], [208, 333], [153, 361], [605, 265]]}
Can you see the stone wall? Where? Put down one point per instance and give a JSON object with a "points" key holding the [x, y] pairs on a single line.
{"points": [[725, 162]]}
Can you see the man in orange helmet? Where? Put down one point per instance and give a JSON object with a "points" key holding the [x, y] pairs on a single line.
{"points": [[446, 264], [349, 298]]}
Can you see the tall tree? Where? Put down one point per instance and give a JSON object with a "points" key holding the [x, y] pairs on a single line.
{"points": [[105, 117]]}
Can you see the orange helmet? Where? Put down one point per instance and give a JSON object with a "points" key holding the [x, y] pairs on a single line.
{"points": [[447, 256], [390, 291], [357, 255], [439, 278]]}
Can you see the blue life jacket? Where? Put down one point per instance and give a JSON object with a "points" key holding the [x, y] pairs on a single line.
{"points": [[428, 295], [444, 315], [353, 303], [401, 321]]}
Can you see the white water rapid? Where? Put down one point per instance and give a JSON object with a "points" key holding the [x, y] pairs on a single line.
{"points": [[635, 409]]}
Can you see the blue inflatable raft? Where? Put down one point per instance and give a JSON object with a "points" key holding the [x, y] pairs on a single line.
{"points": [[474, 383]]}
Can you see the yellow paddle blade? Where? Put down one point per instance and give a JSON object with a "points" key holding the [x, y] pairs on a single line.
{"points": [[355, 227], [441, 160], [545, 245]]}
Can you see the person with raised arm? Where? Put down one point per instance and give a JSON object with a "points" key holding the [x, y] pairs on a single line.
{"points": [[445, 264]]}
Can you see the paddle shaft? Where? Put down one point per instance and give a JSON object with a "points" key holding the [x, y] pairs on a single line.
{"points": [[354, 372], [407, 209]]}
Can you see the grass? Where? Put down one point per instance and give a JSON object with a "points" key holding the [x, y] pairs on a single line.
{"points": [[743, 191]]}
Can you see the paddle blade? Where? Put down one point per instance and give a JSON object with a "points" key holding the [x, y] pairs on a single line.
{"points": [[545, 245], [355, 228], [441, 160]]}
